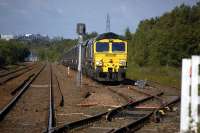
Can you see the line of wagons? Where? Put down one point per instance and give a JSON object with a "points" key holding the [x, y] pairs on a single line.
{"points": [[104, 58]]}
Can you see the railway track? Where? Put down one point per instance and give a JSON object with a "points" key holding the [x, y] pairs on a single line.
{"points": [[51, 116], [11, 88], [124, 118], [14, 71], [33, 105], [23, 87], [38, 106], [54, 88], [7, 114], [108, 118], [15, 74]]}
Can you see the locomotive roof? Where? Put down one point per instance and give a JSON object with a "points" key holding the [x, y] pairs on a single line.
{"points": [[109, 35]]}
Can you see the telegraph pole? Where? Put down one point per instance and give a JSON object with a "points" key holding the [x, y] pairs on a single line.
{"points": [[81, 32]]}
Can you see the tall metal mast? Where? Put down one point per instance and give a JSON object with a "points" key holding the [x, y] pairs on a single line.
{"points": [[107, 23]]}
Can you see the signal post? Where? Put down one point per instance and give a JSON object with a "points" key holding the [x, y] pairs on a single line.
{"points": [[80, 30]]}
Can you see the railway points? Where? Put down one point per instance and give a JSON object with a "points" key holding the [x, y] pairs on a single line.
{"points": [[107, 108], [124, 74]]}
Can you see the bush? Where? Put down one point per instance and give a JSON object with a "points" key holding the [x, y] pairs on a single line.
{"points": [[12, 52], [167, 39]]}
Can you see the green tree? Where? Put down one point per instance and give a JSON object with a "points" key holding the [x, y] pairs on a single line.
{"points": [[128, 34], [165, 40]]}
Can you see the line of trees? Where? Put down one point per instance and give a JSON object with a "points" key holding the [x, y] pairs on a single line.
{"points": [[167, 39], [12, 52], [54, 50]]}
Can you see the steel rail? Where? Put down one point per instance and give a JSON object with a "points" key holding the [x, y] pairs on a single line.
{"points": [[177, 99], [11, 104], [77, 124], [62, 97], [3, 68], [15, 76], [14, 71], [119, 94], [131, 127], [148, 94], [113, 112], [110, 114], [51, 118], [135, 125], [21, 85]]}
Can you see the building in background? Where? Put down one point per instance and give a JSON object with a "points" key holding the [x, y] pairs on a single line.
{"points": [[32, 57], [32, 37], [6, 37]]}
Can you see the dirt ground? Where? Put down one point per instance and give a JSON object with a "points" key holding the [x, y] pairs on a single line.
{"points": [[8, 87], [80, 101], [93, 97], [30, 112]]}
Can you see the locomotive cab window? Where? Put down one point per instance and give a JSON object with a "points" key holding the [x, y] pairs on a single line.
{"points": [[118, 47], [102, 47]]}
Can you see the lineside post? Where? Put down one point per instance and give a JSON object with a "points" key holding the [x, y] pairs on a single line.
{"points": [[80, 52], [189, 95], [194, 92], [185, 95], [81, 32]]}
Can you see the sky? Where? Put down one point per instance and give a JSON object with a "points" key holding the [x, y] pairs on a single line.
{"points": [[59, 17]]}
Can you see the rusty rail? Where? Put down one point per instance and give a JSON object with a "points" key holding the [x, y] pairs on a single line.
{"points": [[51, 117], [109, 115], [135, 125], [9, 106]]}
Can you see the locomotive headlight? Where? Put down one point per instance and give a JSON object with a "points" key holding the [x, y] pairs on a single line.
{"points": [[122, 62], [99, 63]]}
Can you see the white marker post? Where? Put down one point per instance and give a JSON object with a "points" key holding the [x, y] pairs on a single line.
{"points": [[68, 71], [185, 97], [189, 95], [79, 61], [194, 92], [80, 52]]}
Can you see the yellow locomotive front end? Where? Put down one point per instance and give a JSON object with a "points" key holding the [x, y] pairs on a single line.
{"points": [[110, 59]]}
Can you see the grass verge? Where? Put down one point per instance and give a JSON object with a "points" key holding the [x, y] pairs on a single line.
{"points": [[168, 76]]}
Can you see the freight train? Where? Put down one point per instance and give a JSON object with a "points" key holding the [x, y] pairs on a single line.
{"points": [[104, 58]]}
